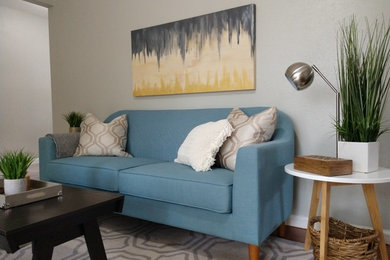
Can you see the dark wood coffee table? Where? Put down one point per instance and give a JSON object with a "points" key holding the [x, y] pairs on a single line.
{"points": [[51, 222]]}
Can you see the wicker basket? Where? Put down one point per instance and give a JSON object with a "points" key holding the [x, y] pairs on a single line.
{"points": [[345, 242]]}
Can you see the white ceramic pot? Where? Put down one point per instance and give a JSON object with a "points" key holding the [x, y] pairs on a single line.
{"points": [[14, 186], [364, 156]]}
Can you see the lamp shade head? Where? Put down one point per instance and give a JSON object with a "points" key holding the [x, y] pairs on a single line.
{"points": [[300, 75]]}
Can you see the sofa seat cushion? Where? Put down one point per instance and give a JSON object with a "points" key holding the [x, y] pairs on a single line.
{"points": [[100, 172], [180, 184]]}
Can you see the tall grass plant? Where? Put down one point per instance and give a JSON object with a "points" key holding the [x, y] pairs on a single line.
{"points": [[364, 80]]}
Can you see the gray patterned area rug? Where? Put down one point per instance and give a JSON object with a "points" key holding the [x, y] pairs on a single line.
{"points": [[129, 238]]}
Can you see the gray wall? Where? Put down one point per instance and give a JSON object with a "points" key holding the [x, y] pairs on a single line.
{"points": [[25, 89], [90, 59]]}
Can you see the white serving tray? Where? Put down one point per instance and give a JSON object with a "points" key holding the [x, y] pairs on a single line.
{"points": [[39, 190]]}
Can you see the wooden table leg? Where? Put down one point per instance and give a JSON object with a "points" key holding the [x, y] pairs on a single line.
{"points": [[325, 200], [42, 250], [372, 204], [94, 241], [315, 197]]}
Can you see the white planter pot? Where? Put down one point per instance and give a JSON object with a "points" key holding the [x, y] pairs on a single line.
{"points": [[364, 156], [14, 186]]}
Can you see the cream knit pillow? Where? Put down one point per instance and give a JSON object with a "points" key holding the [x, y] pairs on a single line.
{"points": [[247, 130], [98, 138], [202, 144]]}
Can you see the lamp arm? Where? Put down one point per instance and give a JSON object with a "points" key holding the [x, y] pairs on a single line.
{"points": [[325, 79], [337, 103]]}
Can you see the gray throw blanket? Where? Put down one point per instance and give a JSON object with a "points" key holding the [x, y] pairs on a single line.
{"points": [[66, 144]]}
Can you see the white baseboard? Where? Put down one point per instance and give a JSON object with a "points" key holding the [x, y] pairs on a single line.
{"points": [[301, 222], [297, 221]]}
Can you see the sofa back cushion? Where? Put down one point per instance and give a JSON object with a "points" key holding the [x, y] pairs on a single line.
{"points": [[158, 134]]}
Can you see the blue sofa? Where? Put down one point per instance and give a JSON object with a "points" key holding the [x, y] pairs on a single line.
{"points": [[246, 205]]}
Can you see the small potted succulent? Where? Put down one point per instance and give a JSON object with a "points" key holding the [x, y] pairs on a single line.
{"points": [[14, 165], [74, 120]]}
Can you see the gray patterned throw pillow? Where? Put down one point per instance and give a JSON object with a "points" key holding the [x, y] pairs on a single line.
{"points": [[98, 138], [247, 130]]}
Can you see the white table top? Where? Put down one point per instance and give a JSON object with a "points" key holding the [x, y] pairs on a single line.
{"points": [[382, 175]]}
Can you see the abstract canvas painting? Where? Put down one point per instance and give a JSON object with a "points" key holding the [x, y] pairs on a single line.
{"points": [[208, 53]]}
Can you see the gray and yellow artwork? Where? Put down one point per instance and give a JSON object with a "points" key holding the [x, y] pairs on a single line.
{"points": [[208, 53]]}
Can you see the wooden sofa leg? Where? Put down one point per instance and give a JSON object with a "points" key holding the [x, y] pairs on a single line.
{"points": [[254, 252]]}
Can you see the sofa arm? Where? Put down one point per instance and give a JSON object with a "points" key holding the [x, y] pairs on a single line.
{"points": [[262, 191], [47, 152]]}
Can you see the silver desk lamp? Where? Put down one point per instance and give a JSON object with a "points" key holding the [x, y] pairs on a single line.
{"points": [[301, 76]]}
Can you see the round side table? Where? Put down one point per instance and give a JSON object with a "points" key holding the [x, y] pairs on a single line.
{"points": [[322, 184]]}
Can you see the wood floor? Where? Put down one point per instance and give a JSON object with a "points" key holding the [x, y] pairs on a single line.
{"points": [[298, 235]]}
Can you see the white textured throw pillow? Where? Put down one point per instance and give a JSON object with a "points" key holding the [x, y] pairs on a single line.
{"points": [[202, 144], [98, 138], [247, 130]]}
